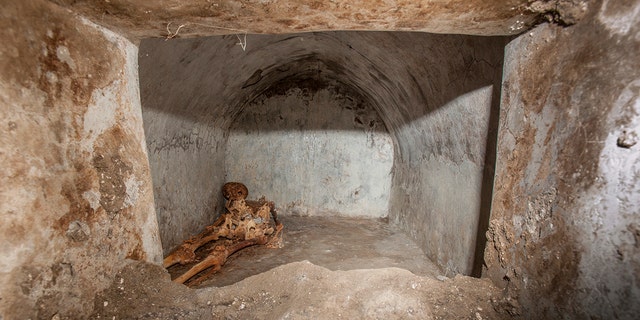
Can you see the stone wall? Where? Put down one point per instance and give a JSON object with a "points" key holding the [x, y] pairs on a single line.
{"points": [[76, 196], [75, 189], [564, 235]]}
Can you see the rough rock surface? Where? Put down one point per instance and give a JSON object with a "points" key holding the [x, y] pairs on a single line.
{"points": [[563, 236], [301, 290], [75, 188], [140, 19]]}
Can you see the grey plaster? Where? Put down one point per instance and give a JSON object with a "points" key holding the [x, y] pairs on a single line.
{"points": [[187, 162], [313, 153], [444, 178]]}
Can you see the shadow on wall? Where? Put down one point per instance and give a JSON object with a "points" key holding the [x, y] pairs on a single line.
{"points": [[453, 179], [205, 83]]}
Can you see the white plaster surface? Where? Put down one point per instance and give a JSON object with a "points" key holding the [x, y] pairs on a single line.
{"points": [[139, 195], [187, 167], [309, 155], [93, 197]]}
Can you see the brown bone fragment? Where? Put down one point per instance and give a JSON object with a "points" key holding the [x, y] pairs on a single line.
{"points": [[217, 258], [235, 191], [185, 253], [245, 223]]}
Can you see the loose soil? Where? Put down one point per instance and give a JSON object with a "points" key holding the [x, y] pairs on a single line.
{"points": [[359, 270]]}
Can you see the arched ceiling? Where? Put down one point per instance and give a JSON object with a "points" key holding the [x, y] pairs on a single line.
{"points": [[403, 75]]}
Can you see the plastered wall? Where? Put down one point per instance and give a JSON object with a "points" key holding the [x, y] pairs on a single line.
{"points": [[314, 149], [438, 190], [187, 167]]}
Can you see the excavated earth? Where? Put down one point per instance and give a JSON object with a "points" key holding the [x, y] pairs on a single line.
{"points": [[359, 269], [302, 290]]}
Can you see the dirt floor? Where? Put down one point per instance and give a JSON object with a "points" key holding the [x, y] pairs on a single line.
{"points": [[334, 243], [346, 268], [302, 290]]}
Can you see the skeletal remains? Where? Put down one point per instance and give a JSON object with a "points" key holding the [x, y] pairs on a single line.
{"points": [[246, 223]]}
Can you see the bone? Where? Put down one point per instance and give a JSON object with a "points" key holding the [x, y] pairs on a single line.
{"points": [[246, 223], [185, 253], [217, 258], [235, 191]]}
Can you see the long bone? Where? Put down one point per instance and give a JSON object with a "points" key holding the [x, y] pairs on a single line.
{"points": [[217, 257], [245, 223], [185, 253]]}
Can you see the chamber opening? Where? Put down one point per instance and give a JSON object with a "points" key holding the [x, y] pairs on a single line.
{"points": [[367, 125]]}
